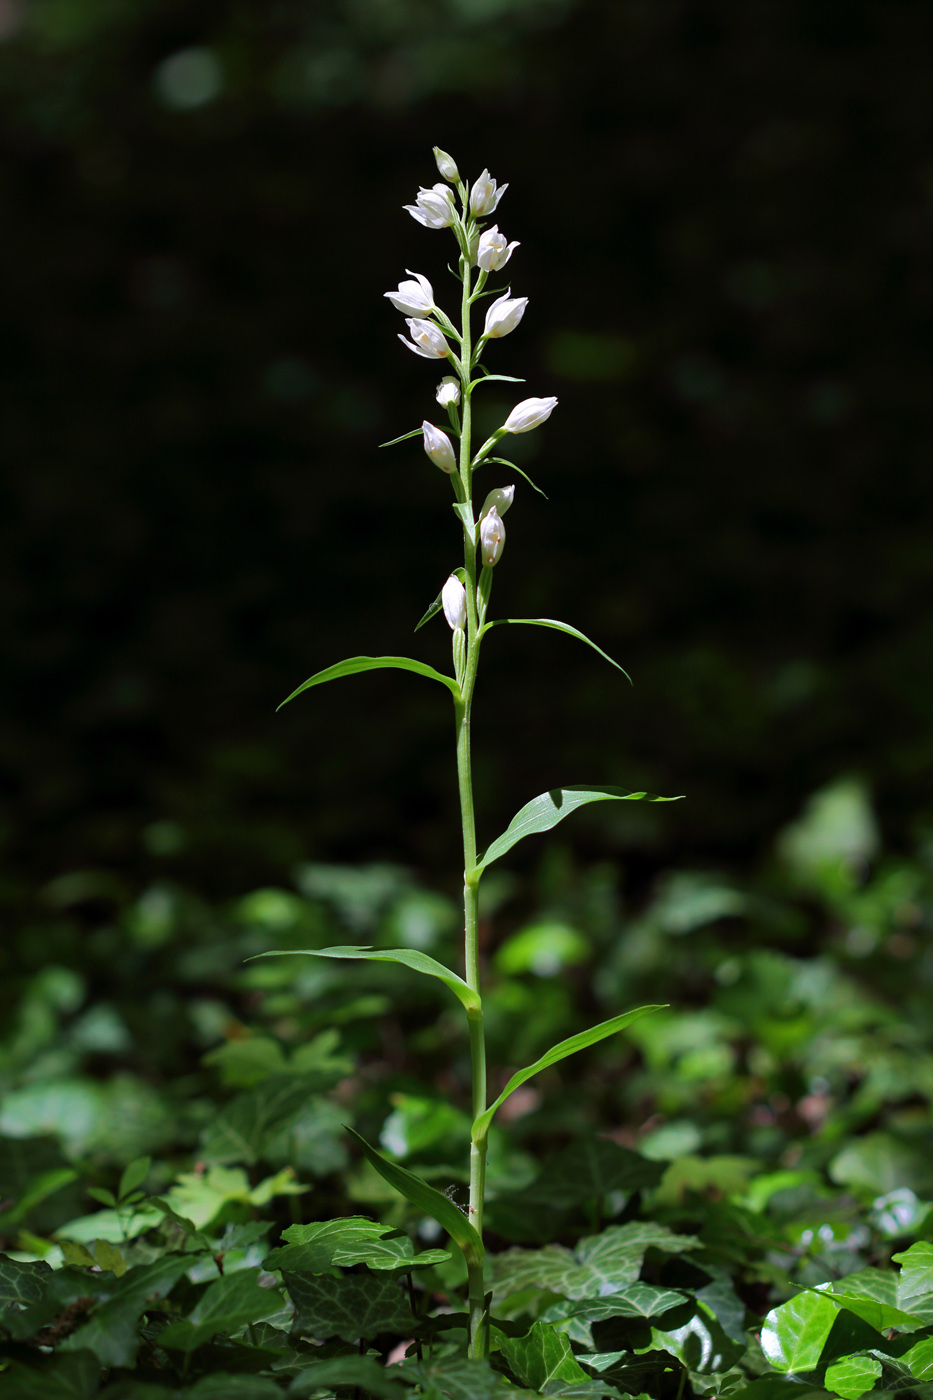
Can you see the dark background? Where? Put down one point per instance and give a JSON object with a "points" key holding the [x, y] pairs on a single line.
{"points": [[723, 211]]}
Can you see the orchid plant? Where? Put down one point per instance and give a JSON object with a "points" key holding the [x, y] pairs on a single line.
{"points": [[464, 600]]}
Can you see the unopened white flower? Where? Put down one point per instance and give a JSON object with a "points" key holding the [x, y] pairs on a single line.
{"points": [[413, 298], [504, 315], [439, 447], [484, 196], [453, 597], [494, 251], [446, 165], [491, 536], [448, 392], [500, 499], [428, 340], [529, 414], [434, 207]]}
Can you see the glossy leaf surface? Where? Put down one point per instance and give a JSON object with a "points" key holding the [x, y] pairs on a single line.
{"points": [[853, 1376], [542, 1359], [544, 812], [794, 1334], [408, 957], [355, 664], [600, 1265], [555, 1054], [317, 1247]]}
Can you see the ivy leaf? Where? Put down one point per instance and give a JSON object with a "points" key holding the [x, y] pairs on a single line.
{"points": [[460, 1378], [227, 1305], [853, 1375], [794, 1334], [408, 957], [700, 1344], [560, 627], [884, 1299], [599, 1266], [544, 812], [75, 1377], [348, 1307], [346, 1372], [243, 1128], [428, 1199], [112, 1330], [22, 1283], [354, 664], [543, 1359], [554, 1055], [916, 1276], [317, 1247]]}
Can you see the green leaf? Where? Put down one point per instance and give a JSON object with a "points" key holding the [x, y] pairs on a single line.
{"points": [[506, 378], [428, 1199], [794, 1334], [556, 1053], [885, 1299], [349, 1307], [317, 1247], [227, 1305], [544, 812], [592, 1167], [460, 1378], [355, 664], [504, 461], [408, 957], [919, 1360], [112, 1331], [22, 1283], [242, 1130], [853, 1376], [415, 432], [438, 603], [560, 627], [38, 1190], [465, 516], [134, 1176], [542, 1359], [220, 1385], [346, 1372], [700, 1344], [916, 1277], [600, 1265], [637, 1300], [74, 1377], [100, 1193]]}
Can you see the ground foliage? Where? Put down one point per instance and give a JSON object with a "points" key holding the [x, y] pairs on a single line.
{"points": [[733, 1199]]}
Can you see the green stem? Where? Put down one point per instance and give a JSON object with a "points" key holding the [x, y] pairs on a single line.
{"points": [[478, 1331]]}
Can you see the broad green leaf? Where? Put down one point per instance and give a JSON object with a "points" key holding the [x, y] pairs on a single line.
{"points": [[556, 1053], [438, 603], [242, 1129], [919, 1360], [408, 957], [219, 1385], [348, 1372], [592, 1167], [853, 1376], [542, 1359], [349, 1307], [700, 1344], [75, 1377], [315, 1248], [884, 1299], [637, 1300], [415, 432], [794, 1334], [428, 1199], [459, 1378], [916, 1277], [560, 627], [354, 664], [544, 812], [112, 1330], [599, 1266], [133, 1176], [227, 1305], [22, 1283]]}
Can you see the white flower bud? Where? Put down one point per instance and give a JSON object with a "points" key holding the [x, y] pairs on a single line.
{"points": [[439, 447], [491, 536], [504, 315], [448, 392], [434, 207], [528, 414], [500, 499], [429, 341], [413, 298], [453, 597], [484, 196], [494, 252], [446, 165]]}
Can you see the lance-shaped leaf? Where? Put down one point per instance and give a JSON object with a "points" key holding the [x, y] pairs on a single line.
{"points": [[560, 627], [354, 664], [504, 461], [543, 812], [408, 957], [556, 1053], [415, 432], [465, 515], [428, 1199]]}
